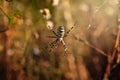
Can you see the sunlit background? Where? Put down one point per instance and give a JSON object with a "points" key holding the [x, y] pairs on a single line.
{"points": [[25, 52]]}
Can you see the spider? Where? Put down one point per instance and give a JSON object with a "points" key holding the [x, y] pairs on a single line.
{"points": [[59, 35]]}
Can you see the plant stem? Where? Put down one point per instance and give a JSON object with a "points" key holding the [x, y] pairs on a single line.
{"points": [[91, 46], [112, 57], [4, 13]]}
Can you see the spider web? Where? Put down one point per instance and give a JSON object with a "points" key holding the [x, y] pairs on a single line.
{"points": [[94, 12]]}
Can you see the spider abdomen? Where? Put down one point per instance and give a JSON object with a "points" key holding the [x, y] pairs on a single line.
{"points": [[60, 32]]}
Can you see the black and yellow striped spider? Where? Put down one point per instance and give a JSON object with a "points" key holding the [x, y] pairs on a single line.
{"points": [[59, 35]]}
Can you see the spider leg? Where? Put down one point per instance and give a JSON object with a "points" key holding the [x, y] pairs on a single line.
{"points": [[64, 45], [52, 45], [69, 31], [65, 48], [54, 32]]}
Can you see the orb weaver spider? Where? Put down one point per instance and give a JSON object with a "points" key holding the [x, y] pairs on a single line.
{"points": [[59, 35]]}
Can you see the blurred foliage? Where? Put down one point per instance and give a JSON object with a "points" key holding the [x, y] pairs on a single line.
{"points": [[23, 53]]}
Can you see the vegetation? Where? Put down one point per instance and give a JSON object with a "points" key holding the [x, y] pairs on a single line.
{"points": [[28, 28]]}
